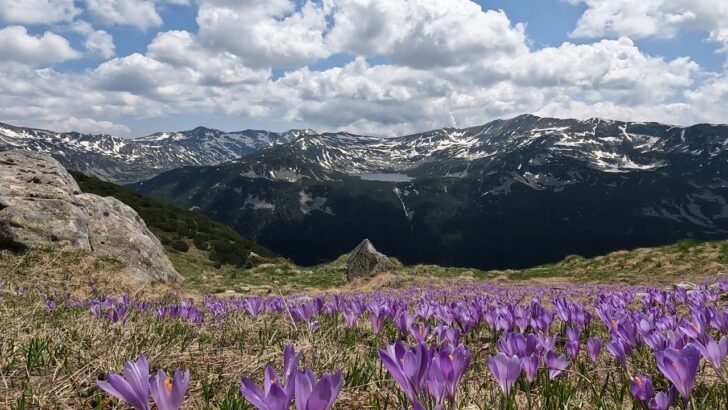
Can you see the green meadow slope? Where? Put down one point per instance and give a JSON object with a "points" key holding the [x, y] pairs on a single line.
{"points": [[190, 238], [214, 258]]}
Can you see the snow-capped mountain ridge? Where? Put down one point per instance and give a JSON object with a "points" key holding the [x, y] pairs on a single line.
{"points": [[524, 143], [521, 143], [529, 189], [126, 160]]}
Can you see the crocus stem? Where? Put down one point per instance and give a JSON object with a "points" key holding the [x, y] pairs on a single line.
{"points": [[720, 374], [290, 315]]}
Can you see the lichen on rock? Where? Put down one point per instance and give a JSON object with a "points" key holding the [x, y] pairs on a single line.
{"points": [[41, 205], [366, 261]]}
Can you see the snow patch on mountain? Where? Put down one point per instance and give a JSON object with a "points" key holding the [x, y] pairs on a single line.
{"points": [[313, 203]]}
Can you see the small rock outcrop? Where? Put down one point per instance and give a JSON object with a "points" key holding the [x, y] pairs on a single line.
{"points": [[41, 205], [366, 261]]}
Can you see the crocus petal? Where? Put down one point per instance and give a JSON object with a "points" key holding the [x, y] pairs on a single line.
{"points": [[394, 369], [120, 388], [179, 386], [277, 398], [320, 396], [253, 393], [304, 385], [159, 391]]}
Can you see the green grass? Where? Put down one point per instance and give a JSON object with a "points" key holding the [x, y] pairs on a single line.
{"points": [[723, 253], [275, 275], [685, 260], [687, 244]]}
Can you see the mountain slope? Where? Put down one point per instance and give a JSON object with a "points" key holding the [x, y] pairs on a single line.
{"points": [[178, 229], [508, 194], [125, 160]]}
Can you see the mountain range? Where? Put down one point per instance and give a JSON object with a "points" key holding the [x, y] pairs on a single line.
{"points": [[127, 160], [508, 194]]}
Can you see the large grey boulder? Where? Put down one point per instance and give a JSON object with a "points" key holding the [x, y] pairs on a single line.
{"points": [[366, 261], [41, 205]]}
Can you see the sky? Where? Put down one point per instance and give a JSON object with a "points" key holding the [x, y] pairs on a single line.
{"points": [[373, 67]]}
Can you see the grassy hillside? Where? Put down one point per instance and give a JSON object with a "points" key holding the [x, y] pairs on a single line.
{"points": [[189, 237], [687, 260]]}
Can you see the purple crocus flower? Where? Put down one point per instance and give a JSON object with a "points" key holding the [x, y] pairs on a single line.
{"points": [[617, 349], [350, 315], [435, 382], [290, 363], [376, 319], [116, 314], [96, 310], [695, 329], [452, 362], [530, 365], [419, 332], [556, 364], [403, 322], [515, 344], [547, 343], [715, 352], [408, 366], [133, 386], [169, 393], [680, 367], [447, 334], [313, 395], [254, 306], [720, 321], [572, 342], [642, 390], [276, 393], [655, 340], [273, 396], [593, 348], [505, 370], [662, 400]]}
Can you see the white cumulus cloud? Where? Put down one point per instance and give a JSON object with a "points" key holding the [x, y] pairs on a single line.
{"points": [[445, 63], [86, 125], [48, 48], [37, 11], [270, 33], [139, 13], [96, 42], [423, 33], [653, 18]]}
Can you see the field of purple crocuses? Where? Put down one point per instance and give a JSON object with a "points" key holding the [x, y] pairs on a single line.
{"points": [[449, 346]]}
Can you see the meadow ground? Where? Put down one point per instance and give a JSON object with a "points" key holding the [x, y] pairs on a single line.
{"points": [[66, 321]]}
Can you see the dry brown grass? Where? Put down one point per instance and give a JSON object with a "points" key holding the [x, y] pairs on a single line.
{"points": [[80, 349]]}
